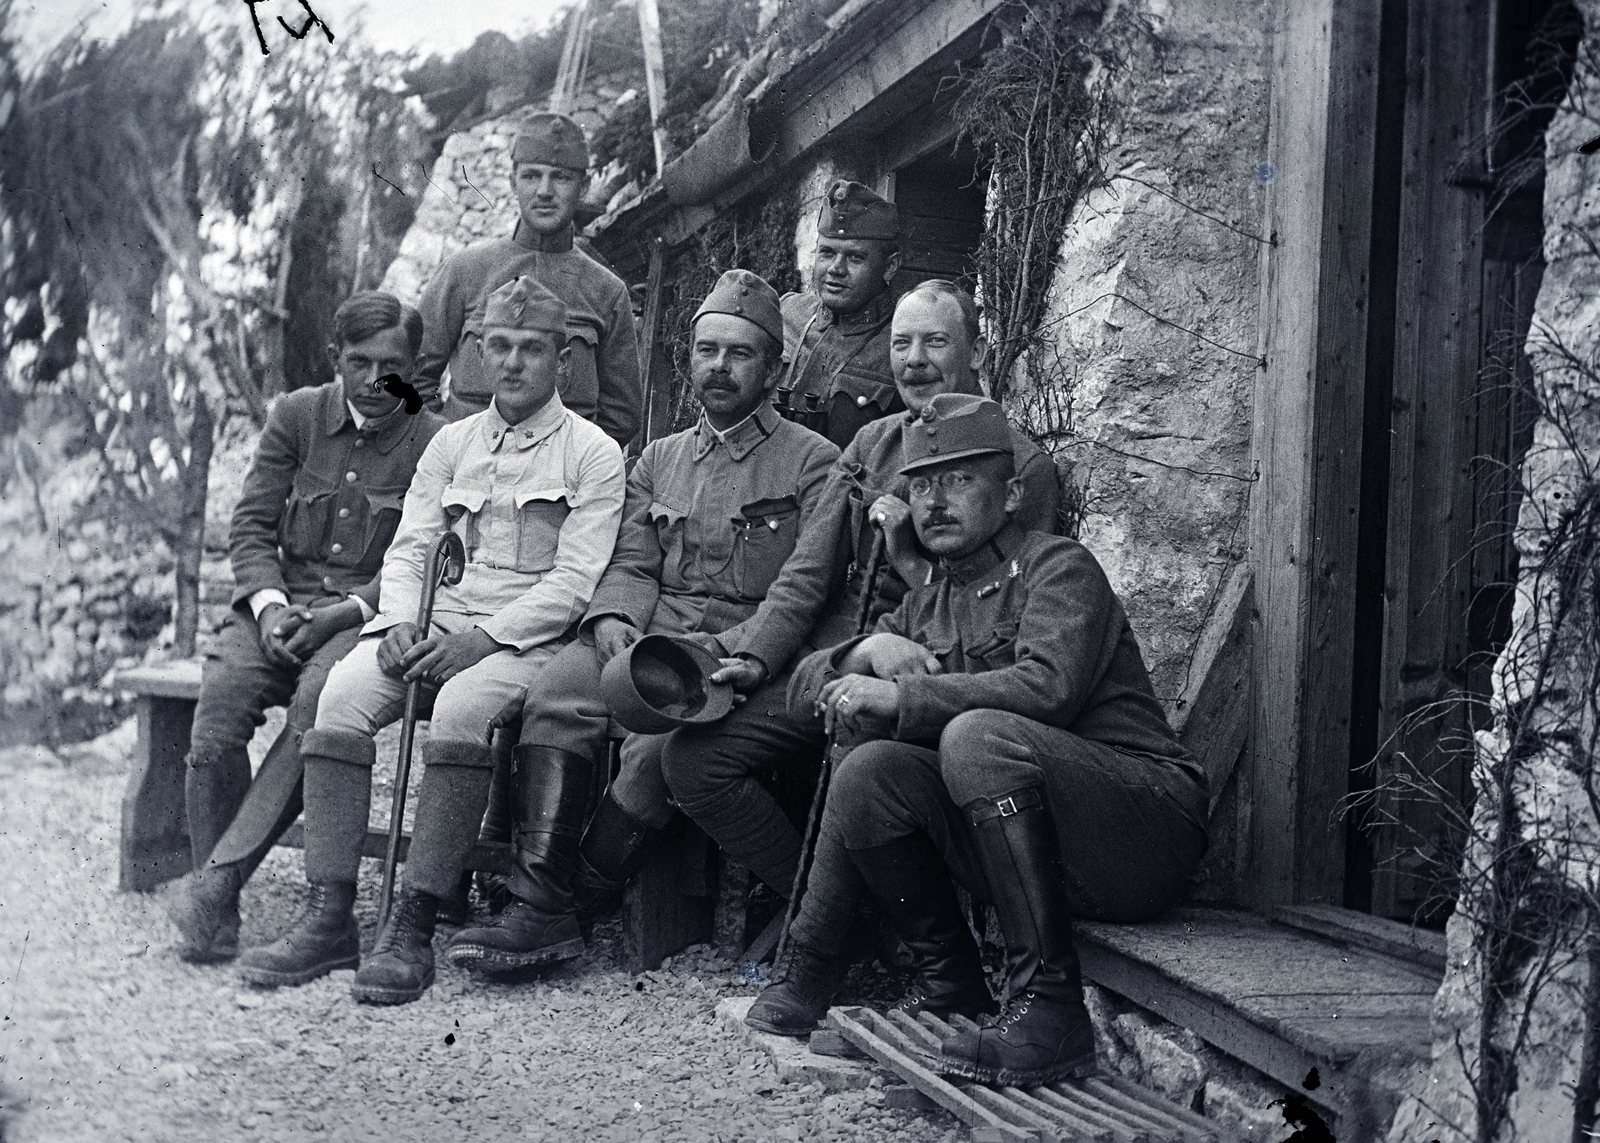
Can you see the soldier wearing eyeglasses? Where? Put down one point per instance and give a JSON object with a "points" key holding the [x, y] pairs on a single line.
{"points": [[716, 773], [1016, 746]]}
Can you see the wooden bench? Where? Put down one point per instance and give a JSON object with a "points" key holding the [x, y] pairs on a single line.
{"points": [[155, 825]]}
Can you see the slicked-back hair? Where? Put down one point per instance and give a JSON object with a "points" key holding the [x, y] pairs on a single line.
{"points": [[944, 288], [370, 312]]}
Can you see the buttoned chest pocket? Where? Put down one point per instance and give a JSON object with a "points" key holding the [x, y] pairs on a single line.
{"points": [[580, 388], [540, 514], [994, 651], [306, 529], [381, 522], [765, 533], [865, 387], [463, 509]]}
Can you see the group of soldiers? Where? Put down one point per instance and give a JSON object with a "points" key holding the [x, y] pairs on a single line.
{"points": [[858, 541]]}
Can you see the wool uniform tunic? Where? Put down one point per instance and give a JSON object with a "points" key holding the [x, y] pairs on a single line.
{"points": [[819, 593], [602, 383], [709, 521], [837, 376], [1043, 686], [714, 772]]}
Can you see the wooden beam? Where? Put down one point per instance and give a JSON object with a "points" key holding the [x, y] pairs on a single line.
{"points": [[1307, 438], [1212, 715]]}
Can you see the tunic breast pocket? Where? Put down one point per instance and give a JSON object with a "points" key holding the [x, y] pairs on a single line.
{"points": [[580, 388], [865, 388], [764, 537], [997, 650], [307, 526], [540, 514], [463, 506], [383, 519]]}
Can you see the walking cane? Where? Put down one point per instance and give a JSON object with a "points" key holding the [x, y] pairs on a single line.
{"points": [[808, 844], [448, 548]]}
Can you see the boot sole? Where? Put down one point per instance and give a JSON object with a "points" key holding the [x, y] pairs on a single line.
{"points": [[485, 958], [377, 994], [1080, 1068], [272, 978], [216, 954], [767, 1026]]}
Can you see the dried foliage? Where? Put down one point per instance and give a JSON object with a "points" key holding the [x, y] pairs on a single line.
{"points": [[1039, 109]]}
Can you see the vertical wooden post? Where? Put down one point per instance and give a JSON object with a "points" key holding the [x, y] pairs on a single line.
{"points": [[1307, 437], [657, 397], [655, 76]]}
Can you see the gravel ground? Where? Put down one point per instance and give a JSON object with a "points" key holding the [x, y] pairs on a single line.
{"points": [[106, 1035]]}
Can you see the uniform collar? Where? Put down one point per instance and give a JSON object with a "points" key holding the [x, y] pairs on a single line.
{"points": [[558, 243], [740, 440], [385, 431], [530, 432], [875, 312], [1000, 547]]}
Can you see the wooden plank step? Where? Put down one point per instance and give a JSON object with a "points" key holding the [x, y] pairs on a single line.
{"points": [[1101, 1109], [1281, 998], [1421, 947]]}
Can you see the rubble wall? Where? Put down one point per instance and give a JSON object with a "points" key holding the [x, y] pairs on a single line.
{"points": [[1154, 316], [1532, 764]]}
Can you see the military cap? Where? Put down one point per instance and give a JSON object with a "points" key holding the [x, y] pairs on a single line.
{"points": [[854, 211], [663, 682], [553, 139], [952, 426], [746, 295], [523, 303]]}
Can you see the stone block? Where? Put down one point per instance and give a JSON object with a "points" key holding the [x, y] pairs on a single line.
{"points": [[792, 1059]]}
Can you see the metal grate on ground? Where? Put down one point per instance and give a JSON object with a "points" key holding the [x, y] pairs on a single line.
{"points": [[1099, 1109]]}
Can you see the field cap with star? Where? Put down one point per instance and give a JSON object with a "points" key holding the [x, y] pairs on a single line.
{"points": [[747, 295], [952, 426], [854, 211], [523, 303], [553, 139]]}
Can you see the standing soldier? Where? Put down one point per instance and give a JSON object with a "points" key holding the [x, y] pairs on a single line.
{"points": [[836, 340], [715, 772], [535, 493], [711, 515], [1019, 746], [320, 504], [550, 163]]}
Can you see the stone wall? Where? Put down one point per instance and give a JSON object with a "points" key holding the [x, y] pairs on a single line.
{"points": [[1154, 313], [1531, 794]]}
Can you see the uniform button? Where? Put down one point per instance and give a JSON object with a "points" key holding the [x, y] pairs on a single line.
{"points": [[327, 582], [344, 513], [350, 477], [336, 549], [862, 401], [360, 443]]}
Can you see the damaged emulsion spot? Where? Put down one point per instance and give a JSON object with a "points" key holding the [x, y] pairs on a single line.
{"points": [[1299, 1114], [392, 384]]}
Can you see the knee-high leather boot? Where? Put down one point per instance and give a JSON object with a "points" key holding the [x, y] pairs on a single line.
{"points": [[613, 850], [551, 790], [1043, 1033], [911, 884]]}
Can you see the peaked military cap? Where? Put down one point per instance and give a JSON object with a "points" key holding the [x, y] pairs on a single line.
{"points": [[952, 426], [523, 303], [553, 139], [854, 211], [746, 295], [663, 682]]}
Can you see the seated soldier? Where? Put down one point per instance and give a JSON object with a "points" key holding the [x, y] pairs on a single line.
{"points": [[535, 493], [1020, 748], [711, 515], [817, 599], [306, 544]]}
